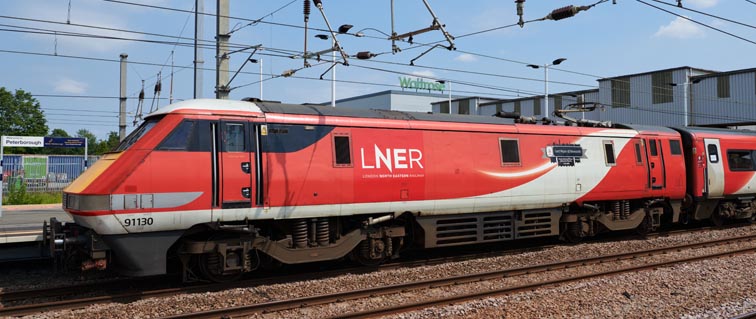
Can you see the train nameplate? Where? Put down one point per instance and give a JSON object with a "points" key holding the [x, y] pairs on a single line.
{"points": [[564, 154]]}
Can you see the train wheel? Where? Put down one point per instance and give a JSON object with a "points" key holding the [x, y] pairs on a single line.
{"points": [[645, 226], [362, 253], [716, 219], [573, 233], [211, 267]]}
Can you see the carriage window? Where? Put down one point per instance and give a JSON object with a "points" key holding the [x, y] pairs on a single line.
{"points": [[713, 153], [510, 152], [609, 153], [137, 134], [180, 138], [233, 137], [674, 147], [342, 151], [638, 155], [740, 160], [652, 145]]}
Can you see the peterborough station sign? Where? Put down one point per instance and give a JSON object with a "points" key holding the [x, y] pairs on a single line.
{"points": [[419, 84], [39, 141]]}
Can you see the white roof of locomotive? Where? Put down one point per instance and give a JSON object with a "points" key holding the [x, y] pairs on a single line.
{"points": [[208, 105]]}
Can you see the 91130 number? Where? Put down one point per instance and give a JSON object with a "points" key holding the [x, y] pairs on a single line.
{"points": [[142, 221]]}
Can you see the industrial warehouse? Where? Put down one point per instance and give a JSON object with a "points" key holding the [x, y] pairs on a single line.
{"points": [[682, 96]]}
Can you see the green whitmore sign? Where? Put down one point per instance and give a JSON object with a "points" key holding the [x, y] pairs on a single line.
{"points": [[420, 84]]}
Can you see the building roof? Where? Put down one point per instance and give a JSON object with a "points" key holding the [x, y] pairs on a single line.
{"points": [[390, 92], [724, 73], [467, 98], [538, 96], [657, 71]]}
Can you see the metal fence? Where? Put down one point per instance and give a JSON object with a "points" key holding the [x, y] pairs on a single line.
{"points": [[42, 173]]}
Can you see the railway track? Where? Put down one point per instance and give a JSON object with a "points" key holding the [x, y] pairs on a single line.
{"points": [[312, 301], [130, 289], [127, 290]]}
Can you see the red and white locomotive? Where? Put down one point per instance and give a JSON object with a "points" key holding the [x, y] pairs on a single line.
{"points": [[223, 186]]}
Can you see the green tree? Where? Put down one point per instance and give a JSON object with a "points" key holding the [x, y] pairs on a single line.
{"points": [[21, 116], [107, 145], [91, 138], [58, 132]]}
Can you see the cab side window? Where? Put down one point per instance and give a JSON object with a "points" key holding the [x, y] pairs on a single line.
{"points": [[233, 137]]}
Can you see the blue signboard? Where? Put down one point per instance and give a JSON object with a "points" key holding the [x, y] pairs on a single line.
{"points": [[64, 141]]}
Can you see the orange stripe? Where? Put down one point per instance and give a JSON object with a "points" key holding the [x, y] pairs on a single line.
{"points": [[92, 173]]}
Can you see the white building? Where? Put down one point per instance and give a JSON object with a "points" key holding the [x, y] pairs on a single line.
{"points": [[723, 99], [670, 97], [393, 100]]}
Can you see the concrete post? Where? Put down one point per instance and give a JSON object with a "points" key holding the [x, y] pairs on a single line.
{"points": [[122, 106], [198, 58], [221, 50]]}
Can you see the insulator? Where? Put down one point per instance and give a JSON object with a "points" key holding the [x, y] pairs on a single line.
{"points": [[158, 87], [508, 115], [318, 3], [141, 95], [299, 233], [520, 6], [364, 55], [323, 232], [562, 13], [306, 8]]}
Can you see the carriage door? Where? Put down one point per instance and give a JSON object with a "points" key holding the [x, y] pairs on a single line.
{"points": [[655, 164], [236, 170], [714, 168]]}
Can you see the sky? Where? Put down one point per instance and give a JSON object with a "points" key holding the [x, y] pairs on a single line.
{"points": [[76, 79]]}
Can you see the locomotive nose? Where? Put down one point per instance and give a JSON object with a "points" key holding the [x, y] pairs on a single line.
{"points": [[79, 195]]}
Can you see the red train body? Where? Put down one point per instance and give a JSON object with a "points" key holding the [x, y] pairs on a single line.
{"points": [[227, 186]]}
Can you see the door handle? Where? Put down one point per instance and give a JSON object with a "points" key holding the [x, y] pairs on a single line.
{"points": [[653, 179], [653, 165], [246, 192], [245, 167]]}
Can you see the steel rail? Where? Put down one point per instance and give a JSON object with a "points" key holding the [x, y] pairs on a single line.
{"points": [[275, 306], [529, 287], [52, 292], [132, 292]]}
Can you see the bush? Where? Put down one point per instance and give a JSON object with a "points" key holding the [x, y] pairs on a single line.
{"points": [[17, 195]]}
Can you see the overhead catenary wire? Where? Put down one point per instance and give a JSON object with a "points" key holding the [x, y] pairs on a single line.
{"points": [[706, 14], [209, 47], [549, 81], [697, 22], [209, 69], [115, 60], [45, 108], [353, 34], [263, 17]]}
